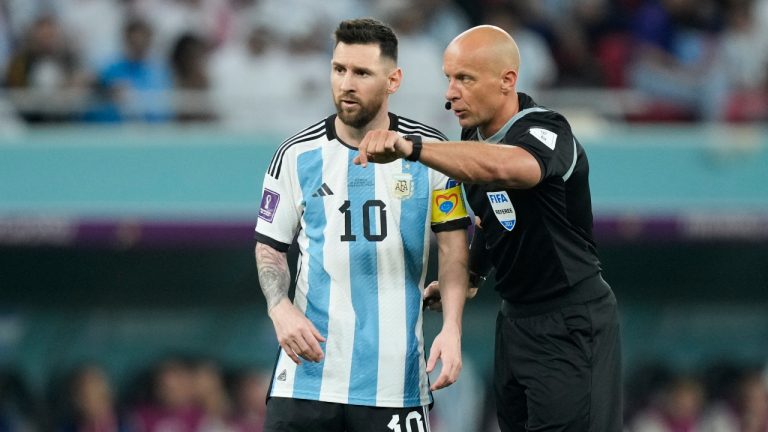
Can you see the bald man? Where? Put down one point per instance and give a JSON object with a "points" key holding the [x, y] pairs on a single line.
{"points": [[557, 353]]}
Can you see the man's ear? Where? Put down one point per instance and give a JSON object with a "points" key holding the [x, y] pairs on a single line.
{"points": [[508, 80], [394, 79]]}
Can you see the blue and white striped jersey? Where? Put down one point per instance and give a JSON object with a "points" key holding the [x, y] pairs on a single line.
{"points": [[363, 237]]}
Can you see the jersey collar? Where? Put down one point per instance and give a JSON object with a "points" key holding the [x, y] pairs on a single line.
{"points": [[330, 128], [527, 105]]}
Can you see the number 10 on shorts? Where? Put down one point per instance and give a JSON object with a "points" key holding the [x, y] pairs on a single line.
{"points": [[394, 424]]}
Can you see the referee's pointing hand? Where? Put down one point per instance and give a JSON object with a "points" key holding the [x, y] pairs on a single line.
{"points": [[381, 146]]}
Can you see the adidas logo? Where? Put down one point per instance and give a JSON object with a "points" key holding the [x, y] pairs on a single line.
{"points": [[282, 376], [323, 190]]}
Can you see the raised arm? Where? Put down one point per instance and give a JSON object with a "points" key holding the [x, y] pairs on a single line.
{"points": [[452, 276], [466, 161], [295, 333]]}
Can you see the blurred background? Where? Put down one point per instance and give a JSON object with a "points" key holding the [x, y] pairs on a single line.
{"points": [[134, 135]]}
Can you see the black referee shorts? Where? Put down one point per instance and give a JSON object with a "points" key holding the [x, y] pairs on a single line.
{"points": [[300, 415], [559, 370]]}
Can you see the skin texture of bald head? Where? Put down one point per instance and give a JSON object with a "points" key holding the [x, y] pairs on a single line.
{"points": [[481, 65], [488, 45]]}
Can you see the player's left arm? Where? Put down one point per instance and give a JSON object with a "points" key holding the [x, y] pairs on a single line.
{"points": [[452, 275]]}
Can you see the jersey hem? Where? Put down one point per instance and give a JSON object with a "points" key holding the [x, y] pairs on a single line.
{"points": [[408, 403]]}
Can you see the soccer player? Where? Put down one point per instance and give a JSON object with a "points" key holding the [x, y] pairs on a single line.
{"points": [[352, 351], [557, 364]]}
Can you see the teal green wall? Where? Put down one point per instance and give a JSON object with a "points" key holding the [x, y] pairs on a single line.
{"points": [[204, 173]]}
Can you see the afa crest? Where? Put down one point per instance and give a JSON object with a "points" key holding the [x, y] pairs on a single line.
{"points": [[402, 186]]}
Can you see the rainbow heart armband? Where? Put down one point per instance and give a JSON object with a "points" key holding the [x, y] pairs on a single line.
{"points": [[448, 205]]}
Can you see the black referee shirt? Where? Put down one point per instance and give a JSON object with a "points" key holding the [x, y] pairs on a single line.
{"points": [[539, 239]]}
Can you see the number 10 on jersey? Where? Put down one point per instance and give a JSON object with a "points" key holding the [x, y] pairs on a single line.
{"points": [[370, 231], [413, 416]]}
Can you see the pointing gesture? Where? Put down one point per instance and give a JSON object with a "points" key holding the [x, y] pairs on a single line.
{"points": [[382, 146]]}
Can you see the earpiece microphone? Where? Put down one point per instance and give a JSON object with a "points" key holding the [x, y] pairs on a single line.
{"points": [[448, 105]]}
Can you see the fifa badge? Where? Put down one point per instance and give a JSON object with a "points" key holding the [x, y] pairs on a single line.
{"points": [[503, 209]]}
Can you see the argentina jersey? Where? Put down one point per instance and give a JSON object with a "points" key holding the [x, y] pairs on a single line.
{"points": [[363, 238]]}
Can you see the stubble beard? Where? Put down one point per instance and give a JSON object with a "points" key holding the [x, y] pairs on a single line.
{"points": [[361, 117]]}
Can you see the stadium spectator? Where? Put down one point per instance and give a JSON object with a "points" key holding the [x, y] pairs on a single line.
{"points": [[94, 26], [212, 397], [172, 405], [746, 410], [136, 86], [212, 20], [250, 395], [92, 404], [677, 61], [745, 57], [189, 62], [251, 79], [676, 408], [45, 67]]}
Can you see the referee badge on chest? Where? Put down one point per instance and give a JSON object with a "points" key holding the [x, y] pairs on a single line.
{"points": [[503, 209], [402, 186]]}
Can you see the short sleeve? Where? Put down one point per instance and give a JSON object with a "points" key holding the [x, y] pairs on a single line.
{"points": [[549, 139], [279, 214]]}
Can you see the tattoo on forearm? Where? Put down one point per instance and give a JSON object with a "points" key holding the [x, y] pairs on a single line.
{"points": [[274, 275]]}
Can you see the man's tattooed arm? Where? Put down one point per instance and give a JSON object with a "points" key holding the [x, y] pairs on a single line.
{"points": [[274, 275]]}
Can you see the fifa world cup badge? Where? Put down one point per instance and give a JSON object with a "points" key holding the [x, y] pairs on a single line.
{"points": [[402, 186]]}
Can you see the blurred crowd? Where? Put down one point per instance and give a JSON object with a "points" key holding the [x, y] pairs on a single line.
{"points": [[233, 61], [189, 394], [721, 398], [178, 394]]}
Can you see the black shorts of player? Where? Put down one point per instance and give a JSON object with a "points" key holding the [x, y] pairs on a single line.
{"points": [[300, 415], [560, 370]]}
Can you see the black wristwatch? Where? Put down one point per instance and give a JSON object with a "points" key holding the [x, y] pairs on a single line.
{"points": [[416, 140]]}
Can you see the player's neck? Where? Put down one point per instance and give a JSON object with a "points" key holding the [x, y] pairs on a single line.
{"points": [[352, 136]]}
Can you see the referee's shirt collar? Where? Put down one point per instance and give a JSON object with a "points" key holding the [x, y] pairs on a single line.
{"points": [[330, 128], [526, 104]]}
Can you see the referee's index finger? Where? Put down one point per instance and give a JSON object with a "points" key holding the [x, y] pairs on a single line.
{"points": [[362, 151]]}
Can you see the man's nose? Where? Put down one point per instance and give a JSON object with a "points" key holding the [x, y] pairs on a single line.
{"points": [[347, 82]]}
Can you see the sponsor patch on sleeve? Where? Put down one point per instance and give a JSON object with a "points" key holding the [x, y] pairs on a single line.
{"points": [[269, 202], [549, 138], [448, 205]]}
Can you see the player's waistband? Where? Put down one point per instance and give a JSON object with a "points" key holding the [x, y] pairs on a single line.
{"points": [[589, 289]]}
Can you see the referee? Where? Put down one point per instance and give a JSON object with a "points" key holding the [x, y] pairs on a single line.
{"points": [[557, 353]]}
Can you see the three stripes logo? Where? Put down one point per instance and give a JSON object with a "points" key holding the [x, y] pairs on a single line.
{"points": [[323, 190], [282, 375]]}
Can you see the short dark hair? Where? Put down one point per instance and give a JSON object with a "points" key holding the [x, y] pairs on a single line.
{"points": [[368, 31]]}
